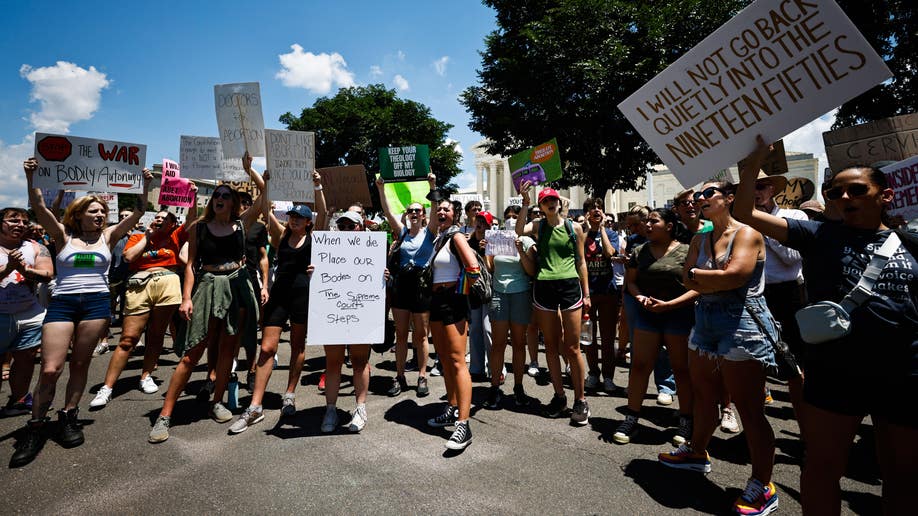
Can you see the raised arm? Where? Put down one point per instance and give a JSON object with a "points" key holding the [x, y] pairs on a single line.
{"points": [[744, 204], [114, 233], [262, 202], [47, 219], [320, 212], [394, 221], [192, 214], [523, 227], [275, 230]]}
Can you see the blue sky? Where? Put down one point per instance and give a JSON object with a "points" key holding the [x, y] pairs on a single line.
{"points": [[144, 72]]}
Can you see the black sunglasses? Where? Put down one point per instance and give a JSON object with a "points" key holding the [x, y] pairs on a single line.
{"points": [[854, 190], [223, 195], [414, 210], [685, 202], [346, 226], [707, 193]]}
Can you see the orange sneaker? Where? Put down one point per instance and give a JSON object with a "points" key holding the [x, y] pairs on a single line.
{"points": [[684, 457], [757, 499]]}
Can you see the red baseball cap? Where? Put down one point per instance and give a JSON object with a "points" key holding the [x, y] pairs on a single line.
{"points": [[548, 192], [487, 216]]}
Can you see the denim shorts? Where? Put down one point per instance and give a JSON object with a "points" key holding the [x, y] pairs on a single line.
{"points": [[21, 331], [79, 307], [516, 307], [724, 328], [673, 322]]}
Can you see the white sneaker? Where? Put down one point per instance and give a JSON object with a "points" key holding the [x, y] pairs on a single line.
{"points": [[147, 385], [358, 420], [102, 397], [533, 370], [101, 349], [728, 422], [330, 421], [591, 382], [664, 398]]}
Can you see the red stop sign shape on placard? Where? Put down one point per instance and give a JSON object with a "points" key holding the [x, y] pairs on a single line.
{"points": [[54, 148]]}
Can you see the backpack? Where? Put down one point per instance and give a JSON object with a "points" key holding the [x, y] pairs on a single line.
{"points": [[481, 289]]}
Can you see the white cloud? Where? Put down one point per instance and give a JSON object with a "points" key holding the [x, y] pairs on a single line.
{"points": [[440, 65], [466, 181], [317, 73], [455, 144], [375, 71], [809, 138], [401, 83], [66, 92], [13, 191], [401, 55]]}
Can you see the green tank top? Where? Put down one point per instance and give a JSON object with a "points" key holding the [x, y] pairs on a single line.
{"points": [[557, 257]]}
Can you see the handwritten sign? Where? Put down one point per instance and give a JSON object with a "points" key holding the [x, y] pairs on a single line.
{"points": [[291, 160], [890, 139], [239, 119], [347, 290], [774, 67], [903, 179], [280, 209], [411, 163], [176, 192], [798, 191], [75, 163], [500, 243], [202, 158], [538, 165], [344, 186]]}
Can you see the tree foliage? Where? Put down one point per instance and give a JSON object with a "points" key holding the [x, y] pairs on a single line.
{"points": [[352, 125]]}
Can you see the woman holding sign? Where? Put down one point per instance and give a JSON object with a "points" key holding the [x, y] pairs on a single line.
{"points": [[879, 355], [79, 311], [217, 295]]}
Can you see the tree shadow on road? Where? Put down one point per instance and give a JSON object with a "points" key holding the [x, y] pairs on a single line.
{"points": [[679, 489]]}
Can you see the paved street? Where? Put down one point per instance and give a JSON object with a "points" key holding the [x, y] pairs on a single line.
{"points": [[519, 462]]}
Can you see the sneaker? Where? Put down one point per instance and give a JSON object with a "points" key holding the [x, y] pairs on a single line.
{"points": [[160, 430], [447, 418], [608, 386], [520, 397], [591, 382], [147, 385], [580, 414], [757, 499], [768, 399], [19, 408], [664, 398], [31, 442], [101, 349], [533, 370], [288, 406], [411, 365], [461, 438], [626, 430], [556, 406], [435, 370], [206, 390], [399, 384], [219, 413], [250, 381], [103, 396], [494, 397], [330, 421], [684, 457], [322, 383], [684, 433], [728, 422], [245, 420], [423, 389], [71, 430], [358, 419]]}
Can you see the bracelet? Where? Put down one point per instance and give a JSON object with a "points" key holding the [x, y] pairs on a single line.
{"points": [[317, 188]]}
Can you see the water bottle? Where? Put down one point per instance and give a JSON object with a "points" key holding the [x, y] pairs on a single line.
{"points": [[232, 395], [586, 330]]}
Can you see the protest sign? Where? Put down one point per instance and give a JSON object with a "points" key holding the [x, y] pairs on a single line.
{"points": [[890, 139], [537, 165], [291, 160], [280, 209], [775, 163], [400, 195], [774, 67], [239, 119], [50, 195], [75, 163], [903, 179], [798, 191], [344, 186], [347, 290], [411, 163], [147, 218], [500, 243], [201, 157], [176, 192]]}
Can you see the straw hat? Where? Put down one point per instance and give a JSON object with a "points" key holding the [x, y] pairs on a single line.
{"points": [[778, 182]]}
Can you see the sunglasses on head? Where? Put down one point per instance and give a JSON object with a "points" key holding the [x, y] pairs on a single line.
{"points": [[414, 210], [854, 190], [707, 193], [223, 195]]}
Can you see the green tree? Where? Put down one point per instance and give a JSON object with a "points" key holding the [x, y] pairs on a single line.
{"points": [[351, 126]]}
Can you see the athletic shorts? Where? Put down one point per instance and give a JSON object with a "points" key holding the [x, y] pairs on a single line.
{"points": [[163, 288], [723, 328], [516, 307], [551, 295], [286, 304], [408, 295], [74, 308], [448, 307], [21, 331]]}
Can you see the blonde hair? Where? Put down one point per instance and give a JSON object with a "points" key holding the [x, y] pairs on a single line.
{"points": [[75, 212]]}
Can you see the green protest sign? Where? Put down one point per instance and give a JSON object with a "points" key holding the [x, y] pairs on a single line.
{"points": [[538, 165], [409, 163]]}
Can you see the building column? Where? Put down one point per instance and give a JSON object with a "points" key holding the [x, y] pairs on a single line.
{"points": [[479, 180], [508, 187], [492, 185]]}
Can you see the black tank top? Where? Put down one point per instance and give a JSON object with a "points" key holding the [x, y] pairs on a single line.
{"points": [[292, 264], [218, 250]]}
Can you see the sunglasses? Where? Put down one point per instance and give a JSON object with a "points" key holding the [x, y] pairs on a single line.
{"points": [[707, 193], [854, 190], [685, 202], [223, 195], [346, 226], [414, 210]]}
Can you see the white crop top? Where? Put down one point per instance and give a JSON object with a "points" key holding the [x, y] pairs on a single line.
{"points": [[446, 267], [17, 294], [83, 271]]}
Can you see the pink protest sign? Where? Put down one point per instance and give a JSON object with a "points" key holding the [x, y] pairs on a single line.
{"points": [[175, 192], [171, 169]]}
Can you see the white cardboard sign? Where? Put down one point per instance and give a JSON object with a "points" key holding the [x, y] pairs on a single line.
{"points": [[201, 157], [239, 119], [74, 163], [903, 179], [291, 160], [774, 67], [347, 292], [500, 243]]}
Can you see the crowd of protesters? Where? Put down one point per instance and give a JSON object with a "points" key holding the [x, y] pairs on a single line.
{"points": [[705, 295]]}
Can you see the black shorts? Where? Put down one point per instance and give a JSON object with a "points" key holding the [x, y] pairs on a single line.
{"points": [[448, 307], [284, 304], [551, 295], [784, 299], [408, 295]]}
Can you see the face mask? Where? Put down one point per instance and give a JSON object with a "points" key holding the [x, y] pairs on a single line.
{"points": [[510, 223]]}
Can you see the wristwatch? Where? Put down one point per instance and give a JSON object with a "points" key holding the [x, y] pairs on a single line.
{"points": [[691, 273]]}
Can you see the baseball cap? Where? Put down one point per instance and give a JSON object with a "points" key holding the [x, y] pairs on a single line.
{"points": [[301, 210], [548, 192], [487, 216], [352, 216]]}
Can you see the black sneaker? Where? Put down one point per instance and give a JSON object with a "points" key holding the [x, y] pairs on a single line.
{"points": [[626, 430], [520, 397], [28, 446], [494, 397], [447, 418], [71, 430], [684, 433], [462, 437], [399, 384], [250, 381], [556, 407], [206, 390], [423, 389], [580, 414]]}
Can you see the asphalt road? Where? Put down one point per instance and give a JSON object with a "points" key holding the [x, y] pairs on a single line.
{"points": [[519, 462]]}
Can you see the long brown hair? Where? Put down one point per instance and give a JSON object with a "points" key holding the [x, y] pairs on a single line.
{"points": [[75, 212], [209, 209]]}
